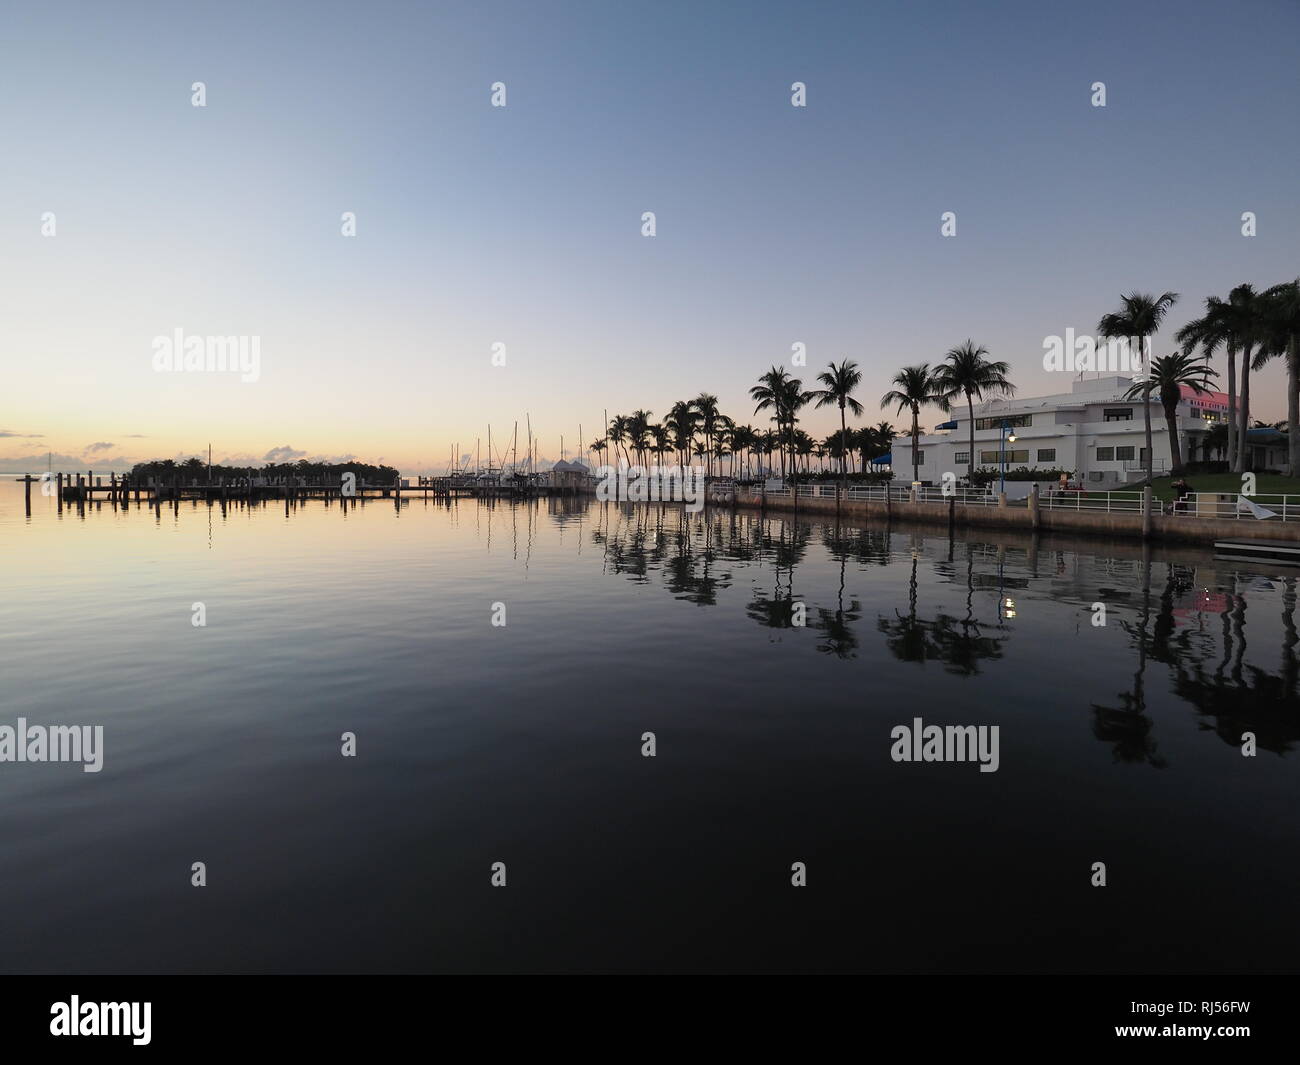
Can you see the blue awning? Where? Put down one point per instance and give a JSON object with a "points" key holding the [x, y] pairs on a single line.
{"points": [[945, 425], [883, 460]]}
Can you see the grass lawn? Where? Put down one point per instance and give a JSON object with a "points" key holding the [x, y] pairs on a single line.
{"points": [[1265, 484]]}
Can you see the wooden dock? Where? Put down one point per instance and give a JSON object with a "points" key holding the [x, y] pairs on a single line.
{"points": [[80, 489]]}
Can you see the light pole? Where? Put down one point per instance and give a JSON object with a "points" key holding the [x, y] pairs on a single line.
{"points": [[1007, 434]]}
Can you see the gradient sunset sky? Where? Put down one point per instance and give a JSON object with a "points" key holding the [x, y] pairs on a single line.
{"points": [[522, 225]]}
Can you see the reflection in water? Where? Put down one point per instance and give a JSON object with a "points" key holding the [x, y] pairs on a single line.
{"points": [[960, 644], [697, 556], [794, 646]]}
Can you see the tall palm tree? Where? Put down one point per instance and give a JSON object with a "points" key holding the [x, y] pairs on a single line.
{"points": [[1167, 376], [681, 421], [662, 446], [706, 406], [1239, 325], [638, 429], [769, 443], [743, 438], [620, 433], [1281, 338], [782, 394], [839, 383], [1139, 317], [916, 387], [966, 371]]}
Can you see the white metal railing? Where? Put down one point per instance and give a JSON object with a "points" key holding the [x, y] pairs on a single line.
{"points": [[878, 493], [977, 497], [1110, 502], [1237, 507]]}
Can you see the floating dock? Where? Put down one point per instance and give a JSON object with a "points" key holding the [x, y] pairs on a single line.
{"points": [[1286, 552]]}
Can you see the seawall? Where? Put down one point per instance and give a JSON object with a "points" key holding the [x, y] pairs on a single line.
{"points": [[1112, 524]]}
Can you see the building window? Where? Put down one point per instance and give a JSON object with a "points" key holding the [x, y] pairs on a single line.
{"points": [[995, 457], [1047, 454], [1124, 454], [1118, 414], [920, 458], [961, 456], [1105, 454], [1143, 454], [1015, 421]]}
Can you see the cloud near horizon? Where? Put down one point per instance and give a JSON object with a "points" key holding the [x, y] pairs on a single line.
{"points": [[284, 453]]}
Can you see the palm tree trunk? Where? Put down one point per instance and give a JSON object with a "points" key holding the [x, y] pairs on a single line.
{"points": [[1175, 452], [1232, 409], [970, 465], [916, 436], [1146, 411], [1243, 447], [844, 454], [1293, 407]]}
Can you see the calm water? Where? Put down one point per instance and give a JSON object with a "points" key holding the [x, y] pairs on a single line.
{"points": [[522, 744]]}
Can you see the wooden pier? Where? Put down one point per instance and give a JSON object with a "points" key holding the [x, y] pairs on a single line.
{"points": [[79, 489]]}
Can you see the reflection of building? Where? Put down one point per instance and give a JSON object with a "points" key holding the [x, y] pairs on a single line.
{"points": [[1204, 603], [1092, 430]]}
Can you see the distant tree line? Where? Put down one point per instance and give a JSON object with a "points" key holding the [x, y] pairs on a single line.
{"points": [[165, 469]]}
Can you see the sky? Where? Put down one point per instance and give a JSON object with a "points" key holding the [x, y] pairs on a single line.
{"points": [[522, 225]]}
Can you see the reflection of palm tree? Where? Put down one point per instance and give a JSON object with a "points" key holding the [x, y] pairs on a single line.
{"points": [[1235, 697], [1128, 728], [959, 645], [1259, 702], [836, 625]]}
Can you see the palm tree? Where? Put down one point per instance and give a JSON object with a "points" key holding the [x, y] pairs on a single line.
{"points": [[1139, 317], [916, 387], [1282, 339], [743, 438], [1167, 376], [840, 383], [784, 396], [1239, 324], [706, 406], [620, 433], [662, 445], [967, 372], [803, 447], [681, 421], [638, 430], [768, 443]]}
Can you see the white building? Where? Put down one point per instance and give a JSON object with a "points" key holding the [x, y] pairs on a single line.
{"points": [[1091, 430]]}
